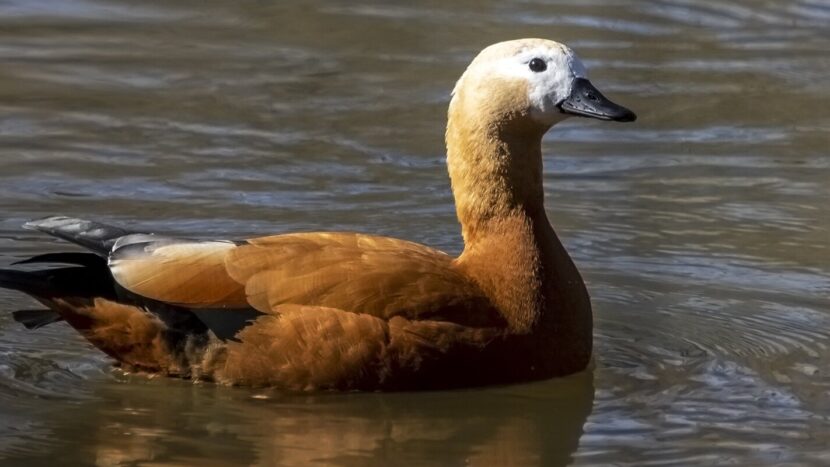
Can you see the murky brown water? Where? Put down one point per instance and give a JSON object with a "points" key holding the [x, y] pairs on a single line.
{"points": [[702, 229]]}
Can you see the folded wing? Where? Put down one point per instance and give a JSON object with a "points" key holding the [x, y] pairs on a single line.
{"points": [[355, 273]]}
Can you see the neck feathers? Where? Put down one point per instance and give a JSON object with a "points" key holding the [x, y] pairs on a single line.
{"points": [[510, 248], [495, 166]]}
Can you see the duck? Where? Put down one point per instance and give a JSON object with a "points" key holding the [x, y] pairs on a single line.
{"points": [[342, 311]]}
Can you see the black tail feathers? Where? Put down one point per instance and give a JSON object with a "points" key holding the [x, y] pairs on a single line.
{"points": [[34, 319], [80, 259], [87, 277], [22, 281], [34, 284]]}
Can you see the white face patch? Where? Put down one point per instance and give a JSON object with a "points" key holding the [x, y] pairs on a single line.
{"points": [[547, 88]]}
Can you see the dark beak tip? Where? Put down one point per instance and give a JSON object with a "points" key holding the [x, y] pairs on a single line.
{"points": [[628, 116], [586, 101]]}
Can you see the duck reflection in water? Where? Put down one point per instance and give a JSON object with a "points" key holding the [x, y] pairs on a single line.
{"points": [[534, 424]]}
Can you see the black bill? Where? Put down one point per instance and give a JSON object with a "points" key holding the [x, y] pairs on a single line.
{"points": [[586, 101]]}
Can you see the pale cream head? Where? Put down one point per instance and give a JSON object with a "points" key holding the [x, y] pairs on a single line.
{"points": [[535, 78], [510, 62]]}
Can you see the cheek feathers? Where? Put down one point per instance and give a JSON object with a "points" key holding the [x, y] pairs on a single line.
{"points": [[546, 92], [509, 96], [490, 100]]}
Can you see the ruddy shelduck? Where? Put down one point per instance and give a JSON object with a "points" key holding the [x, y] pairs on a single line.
{"points": [[348, 311]]}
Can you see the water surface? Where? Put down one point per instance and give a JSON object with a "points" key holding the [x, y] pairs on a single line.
{"points": [[702, 229]]}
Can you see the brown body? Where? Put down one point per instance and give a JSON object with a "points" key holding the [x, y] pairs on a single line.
{"points": [[352, 311]]}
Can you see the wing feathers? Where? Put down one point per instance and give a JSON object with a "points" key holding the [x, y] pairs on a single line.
{"points": [[92, 235], [180, 272], [379, 276]]}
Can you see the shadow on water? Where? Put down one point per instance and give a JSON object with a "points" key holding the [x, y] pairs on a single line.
{"points": [[133, 420]]}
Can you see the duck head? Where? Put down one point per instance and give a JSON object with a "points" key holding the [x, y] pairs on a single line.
{"points": [[532, 82], [509, 96]]}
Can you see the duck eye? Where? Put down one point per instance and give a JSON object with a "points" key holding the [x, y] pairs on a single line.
{"points": [[537, 65]]}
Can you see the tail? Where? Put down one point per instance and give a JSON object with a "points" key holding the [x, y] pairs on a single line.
{"points": [[95, 236], [79, 288], [22, 281], [48, 283], [26, 282], [98, 238], [168, 340], [34, 319]]}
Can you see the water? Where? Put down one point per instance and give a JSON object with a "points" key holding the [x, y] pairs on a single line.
{"points": [[702, 229]]}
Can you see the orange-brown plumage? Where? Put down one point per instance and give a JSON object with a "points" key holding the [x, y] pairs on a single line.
{"points": [[352, 311]]}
